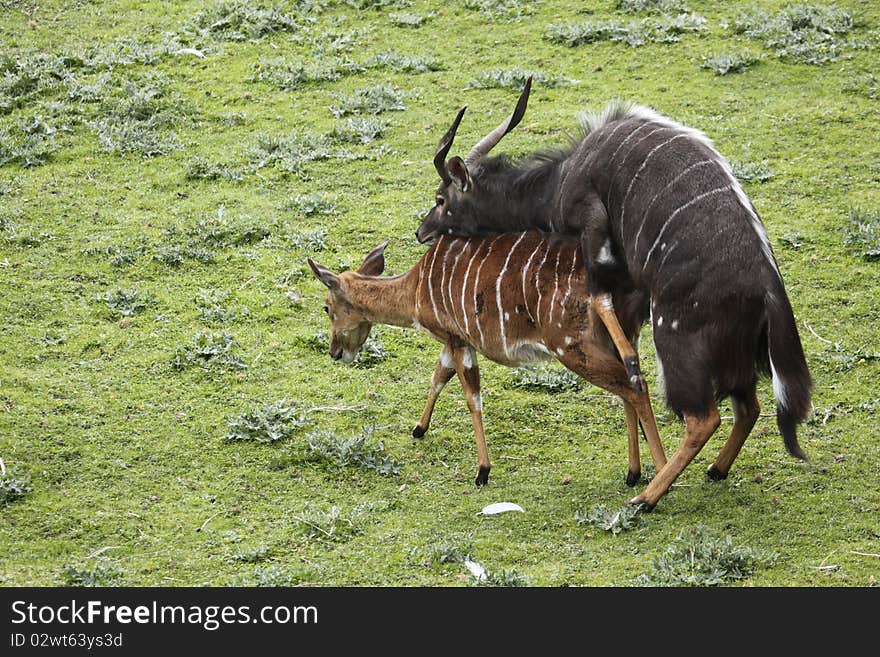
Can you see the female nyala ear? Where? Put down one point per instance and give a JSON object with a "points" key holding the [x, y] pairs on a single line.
{"points": [[374, 263], [324, 275], [459, 172]]}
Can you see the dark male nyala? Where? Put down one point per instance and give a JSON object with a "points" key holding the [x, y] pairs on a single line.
{"points": [[664, 225]]}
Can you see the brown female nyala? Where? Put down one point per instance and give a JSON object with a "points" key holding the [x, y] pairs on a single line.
{"points": [[513, 297], [658, 215]]}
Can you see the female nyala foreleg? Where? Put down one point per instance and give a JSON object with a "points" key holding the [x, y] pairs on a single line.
{"points": [[442, 374], [460, 359]]}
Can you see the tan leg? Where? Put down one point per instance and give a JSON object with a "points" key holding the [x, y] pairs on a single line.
{"points": [[745, 414], [604, 308], [464, 359], [601, 369], [442, 375], [697, 432], [632, 435]]}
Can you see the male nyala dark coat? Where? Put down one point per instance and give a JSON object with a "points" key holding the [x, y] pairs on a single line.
{"points": [[664, 226]]}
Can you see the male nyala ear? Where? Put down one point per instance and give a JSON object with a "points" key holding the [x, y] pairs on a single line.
{"points": [[324, 275], [374, 263], [459, 172]]}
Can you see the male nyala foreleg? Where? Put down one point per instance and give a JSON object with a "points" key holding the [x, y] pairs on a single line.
{"points": [[603, 370], [442, 374], [604, 272], [698, 430]]}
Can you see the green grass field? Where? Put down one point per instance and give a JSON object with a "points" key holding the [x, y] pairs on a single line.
{"points": [[169, 415]]}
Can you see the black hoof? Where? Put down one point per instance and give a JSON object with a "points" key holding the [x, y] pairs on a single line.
{"points": [[418, 432], [644, 507], [632, 478], [482, 477], [715, 474]]}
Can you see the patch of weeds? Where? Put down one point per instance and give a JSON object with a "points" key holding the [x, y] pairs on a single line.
{"points": [[805, 33], [652, 6], [252, 555], [138, 117], [370, 100], [212, 310], [441, 554], [319, 342], [359, 130], [125, 303], [730, 62], [53, 338], [27, 76], [863, 233], [209, 350], [331, 525], [379, 5], [267, 576], [125, 52], [503, 10], [293, 152], [312, 204], [697, 558], [289, 76], [94, 91], [409, 20], [372, 353], [501, 578], [865, 85], [201, 169], [220, 231], [515, 78], [394, 61], [338, 451], [174, 255], [30, 145], [751, 171], [310, 240], [101, 573], [267, 424], [635, 33], [234, 118], [241, 20], [118, 255], [12, 486], [614, 521], [792, 240], [546, 379]]}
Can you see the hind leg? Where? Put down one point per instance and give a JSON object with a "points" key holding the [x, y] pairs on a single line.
{"points": [[634, 473], [745, 413], [698, 430]]}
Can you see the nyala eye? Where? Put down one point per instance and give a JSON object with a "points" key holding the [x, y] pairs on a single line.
{"points": [[440, 200], [327, 310]]}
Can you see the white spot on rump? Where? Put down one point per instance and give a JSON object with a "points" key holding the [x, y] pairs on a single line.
{"points": [[605, 257], [674, 324], [659, 321], [506, 316]]}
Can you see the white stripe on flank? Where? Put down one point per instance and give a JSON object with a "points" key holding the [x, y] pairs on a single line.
{"points": [[419, 286], [574, 253], [431, 280], [525, 273], [639, 170], [443, 278], [620, 124], [449, 288], [757, 226], [476, 286], [467, 272], [657, 195], [537, 276], [625, 141], [498, 293], [696, 199], [555, 286]]}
